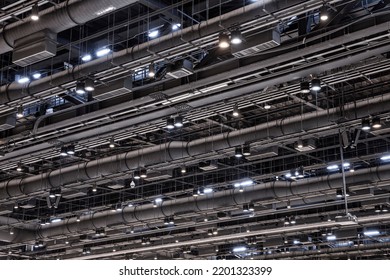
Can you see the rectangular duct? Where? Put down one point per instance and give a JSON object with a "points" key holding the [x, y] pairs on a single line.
{"points": [[180, 69], [207, 166], [264, 153], [257, 43], [7, 122], [34, 48], [115, 89], [158, 175]]}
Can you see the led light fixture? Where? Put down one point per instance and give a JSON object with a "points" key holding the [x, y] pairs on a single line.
{"points": [[366, 125], [223, 41], [80, 87], [89, 85], [151, 72], [305, 87], [236, 37], [102, 52], [170, 123], [376, 122], [178, 121], [86, 57], [316, 84], [35, 13], [324, 16]]}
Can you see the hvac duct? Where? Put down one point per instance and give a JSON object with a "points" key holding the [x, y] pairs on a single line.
{"points": [[198, 103], [63, 16], [219, 200], [318, 120], [159, 45]]}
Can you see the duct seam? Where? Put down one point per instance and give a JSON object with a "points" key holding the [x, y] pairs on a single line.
{"points": [[69, 15]]}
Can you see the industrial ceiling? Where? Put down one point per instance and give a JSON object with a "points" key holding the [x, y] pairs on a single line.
{"points": [[194, 129]]}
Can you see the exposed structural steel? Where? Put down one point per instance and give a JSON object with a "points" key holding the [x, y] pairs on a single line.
{"points": [[218, 200], [318, 121], [64, 16], [162, 44]]}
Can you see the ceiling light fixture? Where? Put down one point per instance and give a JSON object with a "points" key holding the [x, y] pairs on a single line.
{"points": [[236, 111], [246, 150], [136, 175], [153, 34], [170, 123], [19, 167], [223, 41], [80, 87], [267, 106], [239, 249], [178, 121], [183, 170], [176, 26], [23, 80], [143, 173], [11, 231], [35, 12], [236, 37], [89, 85], [371, 233], [195, 192], [332, 167], [316, 84], [324, 13], [112, 143], [238, 152], [300, 144], [151, 72], [63, 151], [37, 75], [87, 57], [305, 87], [331, 237], [385, 157], [102, 52], [366, 125], [376, 122], [70, 150], [19, 112], [78, 218]]}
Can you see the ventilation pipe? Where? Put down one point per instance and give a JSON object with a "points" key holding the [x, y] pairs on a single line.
{"points": [[13, 91], [61, 17], [319, 121], [218, 200]]}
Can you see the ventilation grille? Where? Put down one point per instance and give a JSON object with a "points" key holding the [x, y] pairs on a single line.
{"points": [[7, 122], [180, 69], [114, 90], [34, 48], [156, 176], [265, 153], [257, 43]]}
